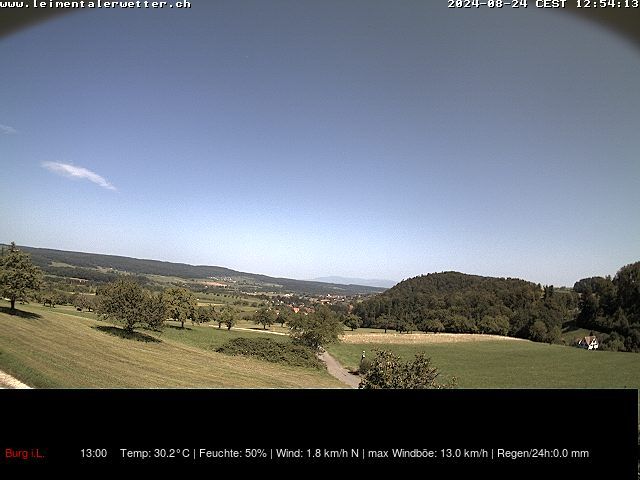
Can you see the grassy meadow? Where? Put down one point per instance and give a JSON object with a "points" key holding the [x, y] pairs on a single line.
{"points": [[62, 348], [510, 363]]}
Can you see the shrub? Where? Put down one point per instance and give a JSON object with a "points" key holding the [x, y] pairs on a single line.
{"points": [[270, 350], [390, 371]]}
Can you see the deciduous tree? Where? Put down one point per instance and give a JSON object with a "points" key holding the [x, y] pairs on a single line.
{"points": [[284, 315], [265, 317], [228, 316], [18, 276], [385, 321], [155, 311], [125, 301], [180, 304], [352, 321], [81, 301], [206, 314], [316, 329]]}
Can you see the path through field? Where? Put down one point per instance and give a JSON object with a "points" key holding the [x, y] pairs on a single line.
{"points": [[7, 381], [256, 330], [338, 371]]}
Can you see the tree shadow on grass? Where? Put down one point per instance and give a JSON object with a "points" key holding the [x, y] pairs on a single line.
{"points": [[177, 327], [19, 313], [119, 332]]}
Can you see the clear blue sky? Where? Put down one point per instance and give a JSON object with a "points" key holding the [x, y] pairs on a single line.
{"points": [[312, 138]]}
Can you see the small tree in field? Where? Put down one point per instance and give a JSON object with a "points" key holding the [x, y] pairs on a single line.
{"points": [[352, 321], [385, 321], [265, 317], [90, 302], [81, 301], [228, 316], [126, 302], [18, 276], [180, 304], [48, 298], [316, 329], [389, 371], [284, 315], [155, 311], [206, 315]]}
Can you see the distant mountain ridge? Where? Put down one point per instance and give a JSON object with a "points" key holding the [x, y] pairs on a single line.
{"points": [[371, 282], [46, 257]]}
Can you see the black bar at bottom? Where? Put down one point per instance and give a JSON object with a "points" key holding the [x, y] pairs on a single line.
{"points": [[588, 433]]}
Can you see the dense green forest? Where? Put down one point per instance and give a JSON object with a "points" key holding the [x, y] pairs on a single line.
{"points": [[612, 306], [460, 303]]}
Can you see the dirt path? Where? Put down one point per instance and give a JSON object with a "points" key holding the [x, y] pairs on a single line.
{"points": [[338, 371], [7, 381], [256, 330]]}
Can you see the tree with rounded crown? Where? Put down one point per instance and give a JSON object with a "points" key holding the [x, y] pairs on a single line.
{"points": [[316, 329], [228, 316], [352, 321], [265, 317], [18, 276], [284, 315], [126, 302], [180, 303]]}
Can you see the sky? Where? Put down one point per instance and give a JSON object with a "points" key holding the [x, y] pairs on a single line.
{"points": [[306, 138]]}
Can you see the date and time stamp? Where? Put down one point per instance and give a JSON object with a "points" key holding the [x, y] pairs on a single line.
{"points": [[497, 4], [587, 4]]}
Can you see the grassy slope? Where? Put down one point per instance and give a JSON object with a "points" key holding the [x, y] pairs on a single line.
{"points": [[207, 337], [62, 350], [503, 364], [572, 334]]}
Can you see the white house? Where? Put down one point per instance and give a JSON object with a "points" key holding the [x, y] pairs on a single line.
{"points": [[588, 343]]}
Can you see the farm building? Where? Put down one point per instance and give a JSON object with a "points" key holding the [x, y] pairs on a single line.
{"points": [[588, 343]]}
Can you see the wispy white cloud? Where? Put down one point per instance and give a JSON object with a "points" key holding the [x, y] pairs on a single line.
{"points": [[7, 130], [72, 171]]}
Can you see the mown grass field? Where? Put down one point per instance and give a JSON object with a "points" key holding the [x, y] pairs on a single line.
{"points": [[512, 364], [53, 348], [61, 348]]}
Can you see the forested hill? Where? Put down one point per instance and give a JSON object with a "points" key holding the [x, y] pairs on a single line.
{"points": [[451, 282], [83, 265], [457, 302]]}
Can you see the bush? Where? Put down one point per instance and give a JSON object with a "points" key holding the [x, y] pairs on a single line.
{"points": [[272, 351], [388, 370]]}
